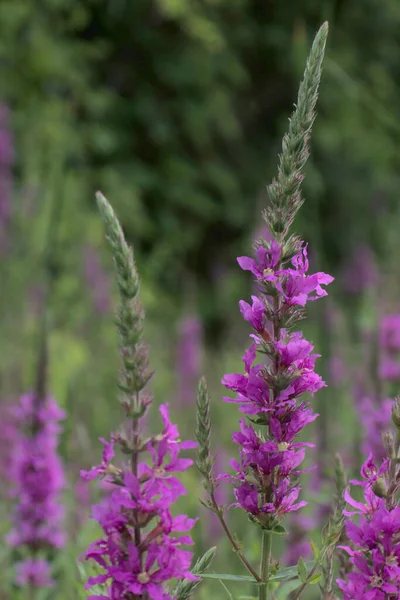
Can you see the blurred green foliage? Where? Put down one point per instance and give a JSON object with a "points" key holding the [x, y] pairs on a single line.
{"points": [[175, 109]]}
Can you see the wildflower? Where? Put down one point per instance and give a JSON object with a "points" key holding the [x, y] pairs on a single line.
{"points": [[389, 342], [374, 407], [108, 454], [37, 480], [270, 391], [34, 573], [141, 549], [374, 552]]}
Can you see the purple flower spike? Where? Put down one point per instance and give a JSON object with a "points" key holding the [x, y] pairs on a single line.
{"points": [[35, 573], [270, 391], [141, 550], [37, 480], [374, 550], [101, 470], [143, 501]]}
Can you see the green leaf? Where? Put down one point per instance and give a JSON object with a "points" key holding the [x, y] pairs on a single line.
{"points": [[82, 571], [279, 530], [290, 572], [226, 589], [315, 549], [314, 579], [229, 577], [281, 575], [285, 589], [302, 570]]}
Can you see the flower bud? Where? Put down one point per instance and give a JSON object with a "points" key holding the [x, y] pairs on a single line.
{"points": [[396, 414], [379, 488]]}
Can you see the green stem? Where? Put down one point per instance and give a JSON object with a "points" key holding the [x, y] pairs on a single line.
{"points": [[230, 537], [265, 565], [134, 466]]}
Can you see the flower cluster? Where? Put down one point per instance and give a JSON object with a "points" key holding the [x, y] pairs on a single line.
{"points": [[375, 542], [269, 392], [374, 407], [375, 419], [139, 552], [37, 480]]}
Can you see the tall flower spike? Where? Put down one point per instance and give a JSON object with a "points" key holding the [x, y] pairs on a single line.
{"points": [[37, 479], [130, 314], [141, 550], [266, 479], [284, 192], [36, 469], [374, 541]]}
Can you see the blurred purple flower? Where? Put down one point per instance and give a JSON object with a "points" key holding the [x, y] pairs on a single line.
{"points": [[37, 479], [361, 271], [213, 529], [337, 370], [373, 407], [34, 572], [389, 339], [375, 420], [298, 544], [98, 280], [189, 364], [8, 434]]}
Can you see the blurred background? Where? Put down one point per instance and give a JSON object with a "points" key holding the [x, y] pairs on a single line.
{"points": [[175, 109]]}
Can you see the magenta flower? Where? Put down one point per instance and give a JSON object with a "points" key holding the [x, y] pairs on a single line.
{"points": [[375, 542], [298, 288], [141, 550], [373, 406], [265, 262], [37, 479], [254, 314], [389, 335], [143, 501], [34, 573], [389, 339], [101, 470], [269, 465]]}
